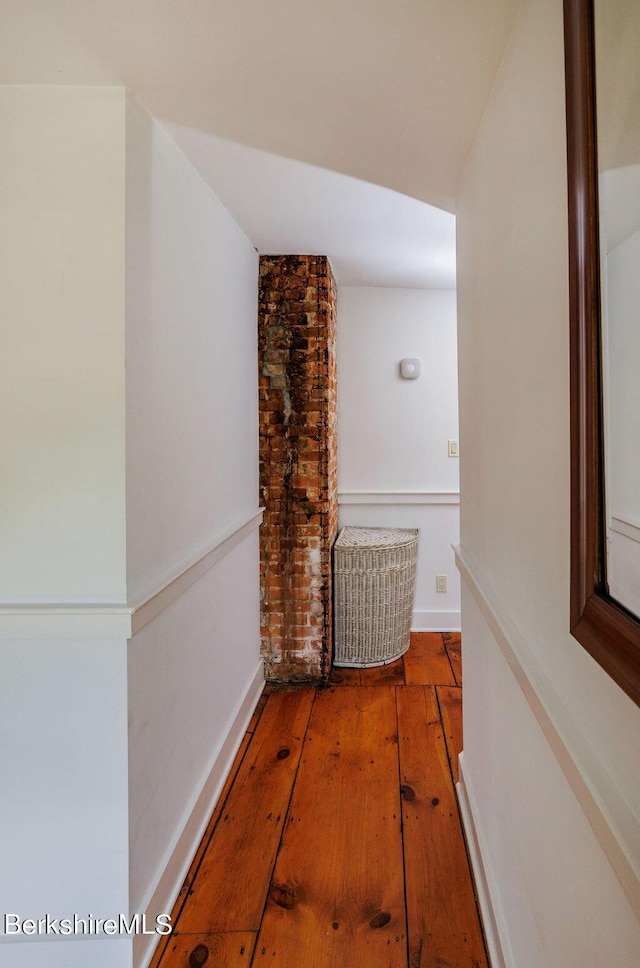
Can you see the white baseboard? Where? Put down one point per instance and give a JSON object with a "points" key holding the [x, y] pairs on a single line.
{"points": [[492, 919], [46, 951], [435, 622], [174, 871]]}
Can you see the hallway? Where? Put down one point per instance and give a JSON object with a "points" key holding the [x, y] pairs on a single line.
{"points": [[337, 839]]}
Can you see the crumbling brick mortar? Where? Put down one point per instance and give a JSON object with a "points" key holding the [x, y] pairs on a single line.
{"points": [[298, 464]]}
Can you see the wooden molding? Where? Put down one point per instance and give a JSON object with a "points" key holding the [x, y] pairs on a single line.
{"points": [[171, 586], [609, 814], [609, 633], [398, 497], [622, 525], [174, 866], [115, 620], [493, 919], [430, 620]]}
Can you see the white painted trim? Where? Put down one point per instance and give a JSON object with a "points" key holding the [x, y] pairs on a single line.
{"points": [[71, 951], [174, 584], [175, 865], [398, 497], [625, 526], [36, 621], [609, 814], [493, 920], [435, 622], [120, 620]]}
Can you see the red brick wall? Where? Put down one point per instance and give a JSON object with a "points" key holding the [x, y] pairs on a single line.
{"points": [[298, 469]]}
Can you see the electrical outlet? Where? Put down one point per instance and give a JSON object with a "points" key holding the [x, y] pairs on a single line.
{"points": [[441, 583]]}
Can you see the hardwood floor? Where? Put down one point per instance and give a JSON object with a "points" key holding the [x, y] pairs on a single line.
{"points": [[337, 841]]}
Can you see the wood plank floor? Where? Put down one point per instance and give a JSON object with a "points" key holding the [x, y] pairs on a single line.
{"points": [[337, 841]]}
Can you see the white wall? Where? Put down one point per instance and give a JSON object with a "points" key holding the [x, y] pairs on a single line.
{"points": [[114, 752], [623, 562], [622, 338], [64, 788], [61, 312], [393, 464], [192, 481], [191, 675], [623, 389], [192, 438], [549, 739], [64, 792]]}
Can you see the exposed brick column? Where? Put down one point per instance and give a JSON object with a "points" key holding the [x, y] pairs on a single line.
{"points": [[298, 466]]}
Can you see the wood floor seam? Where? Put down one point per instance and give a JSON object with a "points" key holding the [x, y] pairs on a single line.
{"points": [[337, 842], [404, 866], [284, 824]]}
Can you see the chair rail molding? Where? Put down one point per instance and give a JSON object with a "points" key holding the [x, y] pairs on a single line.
{"points": [[117, 620], [623, 525], [610, 816], [398, 497]]}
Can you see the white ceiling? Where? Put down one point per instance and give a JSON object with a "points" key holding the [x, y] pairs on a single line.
{"points": [[372, 235], [387, 91]]}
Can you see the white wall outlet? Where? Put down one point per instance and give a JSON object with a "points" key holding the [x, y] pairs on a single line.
{"points": [[453, 448], [441, 583]]}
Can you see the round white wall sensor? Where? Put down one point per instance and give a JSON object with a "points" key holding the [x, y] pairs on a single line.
{"points": [[410, 369]]}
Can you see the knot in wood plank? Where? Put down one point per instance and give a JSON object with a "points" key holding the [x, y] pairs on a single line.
{"points": [[199, 956], [380, 920], [284, 896]]}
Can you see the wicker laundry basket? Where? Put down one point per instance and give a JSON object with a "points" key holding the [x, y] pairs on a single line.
{"points": [[374, 572]]}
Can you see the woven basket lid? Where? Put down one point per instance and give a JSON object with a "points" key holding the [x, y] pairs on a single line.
{"points": [[355, 537]]}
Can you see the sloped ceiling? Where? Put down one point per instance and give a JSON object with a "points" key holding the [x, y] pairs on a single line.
{"points": [[388, 91], [372, 235]]}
